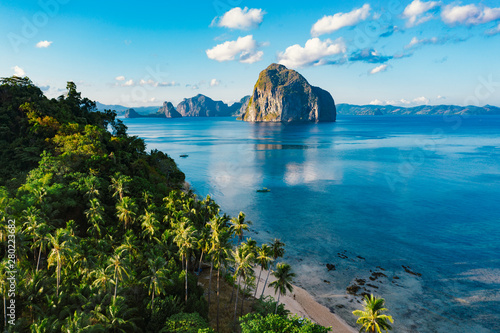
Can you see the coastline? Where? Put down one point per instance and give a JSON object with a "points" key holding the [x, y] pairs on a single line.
{"points": [[304, 305]]}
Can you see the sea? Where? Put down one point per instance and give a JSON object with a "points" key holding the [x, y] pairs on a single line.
{"points": [[403, 207]]}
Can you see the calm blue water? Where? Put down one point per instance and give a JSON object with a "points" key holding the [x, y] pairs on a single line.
{"points": [[420, 191]]}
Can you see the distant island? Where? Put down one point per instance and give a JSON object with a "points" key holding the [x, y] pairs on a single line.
{"points": [[381, 110]]}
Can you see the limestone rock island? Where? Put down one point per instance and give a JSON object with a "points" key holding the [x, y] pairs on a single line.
{"points": [[283, 95]]}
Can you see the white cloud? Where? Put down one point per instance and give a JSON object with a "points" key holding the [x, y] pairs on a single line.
{"points": [[313, 53], [421, 100], [425, 41], [120, 78], [18, 71], [214, 83], [335, 22], [43, 44], [242, 19], [379, 69], [244, 48], [129, 83], [493, 31], [413, 12], [402, 102], [469, 14]]}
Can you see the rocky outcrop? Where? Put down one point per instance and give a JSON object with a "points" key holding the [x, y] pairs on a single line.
{"points": [[203, 106], [283, 95], [131, 113], [239, 108], [168, 111]]}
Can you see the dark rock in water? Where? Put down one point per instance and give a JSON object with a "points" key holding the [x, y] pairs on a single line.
{"points": [[202, 106], [361, 282], [353, 289], [364, 294], [342, 256], [360, 257], [168, 111], [395, 277], [283, 95], [376, 275], [380, 268], [409, 271], [330, 267], [340, 306], [326, 281], [371, 285]]}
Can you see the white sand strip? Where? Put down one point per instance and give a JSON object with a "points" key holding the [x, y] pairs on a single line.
{"points": [[304, 305]]}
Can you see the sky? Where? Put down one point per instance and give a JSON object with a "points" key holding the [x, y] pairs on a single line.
{"points": [[363, 52]]}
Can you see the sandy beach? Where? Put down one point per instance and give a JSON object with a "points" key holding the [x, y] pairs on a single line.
{"points": [[304, 305]]}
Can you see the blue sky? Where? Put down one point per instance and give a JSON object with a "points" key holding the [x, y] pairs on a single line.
{"points": [[379, 52]]}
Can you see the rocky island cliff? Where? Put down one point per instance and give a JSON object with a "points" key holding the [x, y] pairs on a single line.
{"points": [[283, 95]]}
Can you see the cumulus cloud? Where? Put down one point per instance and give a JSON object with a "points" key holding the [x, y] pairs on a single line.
{"points": [[43, 44], [242, 19], [369, 55], [154, 83], [128, 83], [469, 14], [415, 11], [214, 83], [120, 78], [379, 69], [335, 22], [315, 52], [245, 49], [18, 71]]}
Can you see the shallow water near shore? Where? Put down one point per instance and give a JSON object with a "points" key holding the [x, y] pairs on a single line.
{"points": [[366, 194]]}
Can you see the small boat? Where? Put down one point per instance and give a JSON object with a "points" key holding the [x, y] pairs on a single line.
{"points": [[264, 189], [183, 155]]}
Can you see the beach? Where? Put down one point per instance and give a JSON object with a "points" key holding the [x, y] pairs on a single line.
{"points": [[300, 302]]}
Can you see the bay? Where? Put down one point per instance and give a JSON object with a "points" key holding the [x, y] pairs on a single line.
{"points": [[366, 194]]}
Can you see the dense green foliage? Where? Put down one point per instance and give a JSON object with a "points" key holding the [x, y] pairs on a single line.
{"points": [[256, 323], [105, 239]]}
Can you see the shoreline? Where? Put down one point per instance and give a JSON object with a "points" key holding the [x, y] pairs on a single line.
{"points": [[300, 302]]}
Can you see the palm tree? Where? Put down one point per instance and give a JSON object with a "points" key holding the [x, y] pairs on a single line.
{"points": [[129, 245], [61, 251], [243, 267], [117, 264], [371, 318], [149, 224], [185, 240], [157, 277], [283, 282], [278, 251], [95, 216], [126, 210], [102, 278], [119, 184], [116, 317], [91, 184], [264, 259], [239, 225]]}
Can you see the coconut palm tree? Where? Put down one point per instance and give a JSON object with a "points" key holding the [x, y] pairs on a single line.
{"points": [[156, 277], [185, 240], [149, 224], [239, 225], [243, 267], [126, 210], [371, 317], [119, 268], [62, 249], [119, 184], [278, 251], [95, 216], [102, 278], [264, 259], [283, 282]]}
